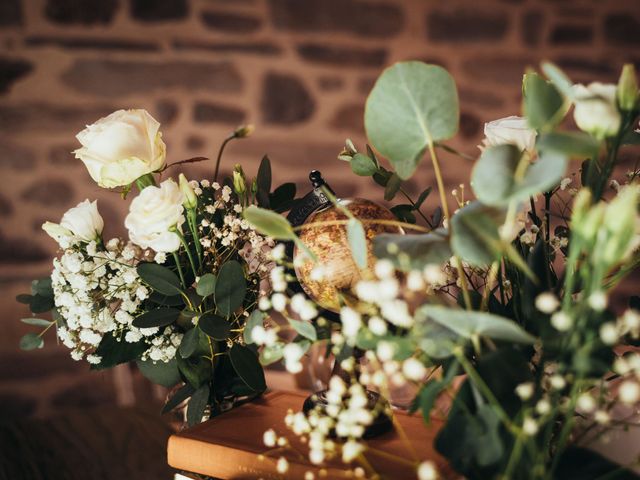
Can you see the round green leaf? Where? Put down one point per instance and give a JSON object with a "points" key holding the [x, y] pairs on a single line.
{"points": [[247, 366], [161, 373], [409, 252], [189, 343], [161, 279], [231, 287], [206, 285], [214, 326], [24, 298], [363, 165], [197, 405], [31, 341], [474, 234], [158, 317], [271, 354], [306, 329], [38, 322], [269, 223], [41, 304], [542, 102], [357, 239], [411, 105], [255, 319]]}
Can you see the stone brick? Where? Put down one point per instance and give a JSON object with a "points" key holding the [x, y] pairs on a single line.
{"points": [[354, 16], [6, 208], [470, 125], [10, 13], [466, 25], [365, 84], [330, 83], [62, 155], [114, 78], [81, 11], [95, 391], [503, 69], [531, 27], [256, 48], [159, 10], [206, 112], [350, 118], [195, 143], [586, 68], [622, 29], [91, 43], [18, 250], [343, 56], [285, 100], [480, 98], [166, 111], [571, 34], [49, 191], [38, 117], [14, 406], [11, 70], [16, 157], [230, 22]]}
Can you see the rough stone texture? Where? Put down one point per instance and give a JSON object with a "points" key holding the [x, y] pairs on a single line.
{"points": [[342, 56], [10, 13], [531, 27], [115, 78], [621, 29], [466, 25], [50, 191], [6, 208], [257, 48], [86, 12], [16, 157], [159, 10], [204, 112], [61, 155], [285, 100], [470, 125], [17, 250], [11, 70], [349, 118], [91, 43], [571, 34], [360, 17], [166, 111], [330, 83], [231, 22]]}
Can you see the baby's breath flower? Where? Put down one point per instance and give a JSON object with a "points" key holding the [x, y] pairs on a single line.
{"points": [[282, 466], [529, 426], [427, 471], [270, 438], [586, 403], [413, 369], [602, 417], [547, 302], [525, 390], [598, 301], [629, 392], [608, 333], [561, 321]]}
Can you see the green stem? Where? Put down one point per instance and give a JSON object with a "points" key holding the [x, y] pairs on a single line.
{"points": [[416, 208], [514, 457], [193, 226], [222, 146], [145, 181], [188, 250], [177, 260]]}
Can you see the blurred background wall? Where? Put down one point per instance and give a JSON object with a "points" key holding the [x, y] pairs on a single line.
{"points": [[299, 70]]}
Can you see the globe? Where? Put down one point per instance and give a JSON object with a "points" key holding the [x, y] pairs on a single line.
{"points": [[329, 243]]}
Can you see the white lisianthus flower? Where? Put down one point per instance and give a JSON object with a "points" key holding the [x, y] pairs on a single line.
{"points": [[122, 147], [60, 234], [595, 109], [154, 214], [82, 222], [509, 130]]}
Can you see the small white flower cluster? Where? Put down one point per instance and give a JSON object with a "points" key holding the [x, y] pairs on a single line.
{"points": [[97, 291]]}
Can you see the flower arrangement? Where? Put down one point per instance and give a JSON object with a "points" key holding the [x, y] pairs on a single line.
{"points": [[499, 315], [176, 295]]}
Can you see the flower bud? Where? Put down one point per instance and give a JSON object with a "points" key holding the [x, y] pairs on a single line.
{"points": [[190, 199], [239, 183], [243, 131], [627, 91], [596, 111]]}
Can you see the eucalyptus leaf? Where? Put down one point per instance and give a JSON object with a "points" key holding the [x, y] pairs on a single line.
{"points": [[573, 144], [357, 239], [41, 304], [38, 322], [558, 78], [404, 213], [31, 341], [467, 323], [269, 223], [411, 105], [422, 197], [161, 373], [24, 298], [413, 252], [206, 285], [282, 197], [158, 317], [42, 287], [189, 344], [247, 366], [271, 354], [263, 181], [231, 287], [363, 165], [256, 319], [197, 405], [180, 396], [115, 350], [474, 234], [542, 102], [161, 279], [392, 187], [306, 329], [214, 326], [494, 179]]}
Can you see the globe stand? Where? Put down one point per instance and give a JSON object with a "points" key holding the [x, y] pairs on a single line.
{"points": [[313, 201]]}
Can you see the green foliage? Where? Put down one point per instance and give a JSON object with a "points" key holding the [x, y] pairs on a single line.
{"points": [[306, 329], [180, 396], [159, 278], [409, 252], [197, 405], [247, 366], [158, 317], [206, 285], [363, 165], [411, 105], [392, 187], [271, 354], [269, 223], [495, 176], [282, 197], [38, 322], [543, 103], [230, 288], [263, 182], [255, 319], [114, 351], [189, 343], [215, 326], [474, 234], [162, 373], [357, 239], [572, 144], [31, 341]]}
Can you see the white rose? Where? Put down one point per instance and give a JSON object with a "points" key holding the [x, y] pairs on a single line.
{"points": [[154, 214], [82, 222], [122, 147], [595, 109], [509, 130]]}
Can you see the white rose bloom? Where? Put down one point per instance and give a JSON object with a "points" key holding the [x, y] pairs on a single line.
{"points": [[120, 148], [595, 109], [152, 216], [82, 222], [509, 130]]}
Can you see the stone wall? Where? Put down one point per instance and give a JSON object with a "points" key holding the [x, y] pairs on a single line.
{"points": [[299, 70]]}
